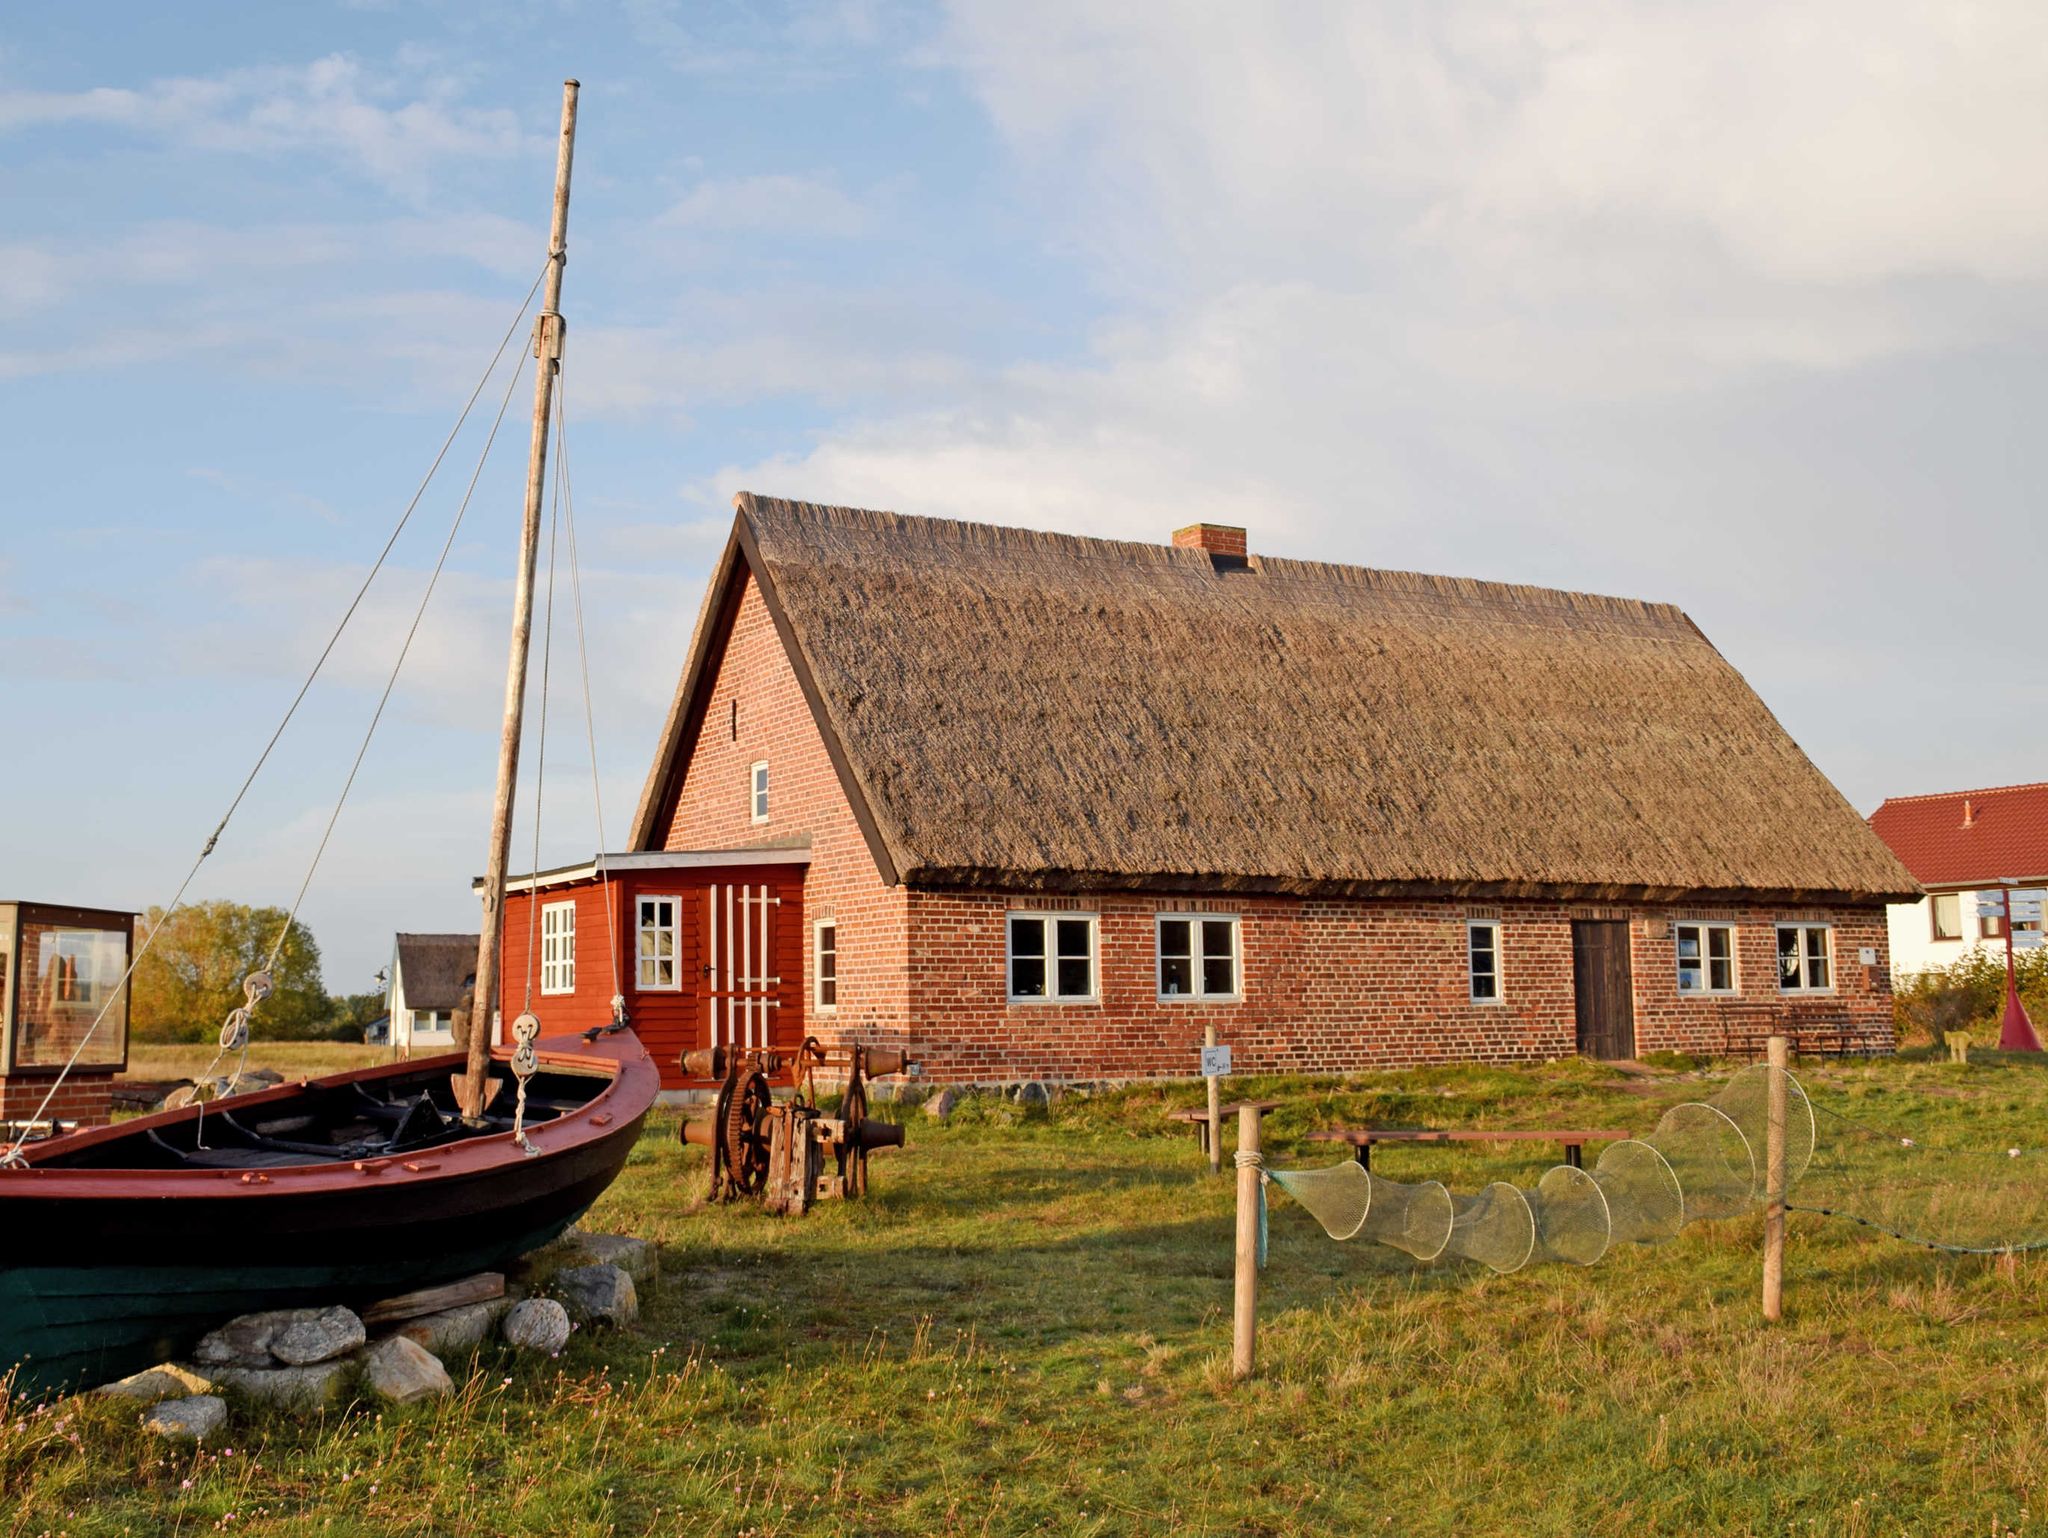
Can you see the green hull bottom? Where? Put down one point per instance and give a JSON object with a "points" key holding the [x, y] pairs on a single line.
{"points": [[72, 1327]]}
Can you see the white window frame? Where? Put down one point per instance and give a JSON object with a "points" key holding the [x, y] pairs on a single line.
{"points": [[1052, 917], [818, 954], [757, 790], [1706, 990], [1805, 963], [1199, 993], [557, 971], [674, 929], [1500, 971]]}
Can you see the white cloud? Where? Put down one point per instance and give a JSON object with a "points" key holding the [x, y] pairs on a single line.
{"points": [[331, 107], [780, 204]]}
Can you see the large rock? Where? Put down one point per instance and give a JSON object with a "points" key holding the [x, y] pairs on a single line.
{"points": [[168, 1380], [537, 1324], [290, 1388], [940, 1106], [599, 1294], [636, 1257], [187, 1420], [400, 1370], [318, 1336], [297, 1337], [455, 1329]]}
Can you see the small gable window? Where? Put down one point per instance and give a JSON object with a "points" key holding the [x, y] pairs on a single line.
{"points": [[1052, 957], [757, 791], [1482, 953]]}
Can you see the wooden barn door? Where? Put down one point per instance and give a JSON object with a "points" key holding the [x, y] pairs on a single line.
{"points": [[740, 967], [1605, 989]]}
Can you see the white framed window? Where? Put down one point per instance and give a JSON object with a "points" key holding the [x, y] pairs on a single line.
{"points": [[1706, 957], [655, 968], [825, 964], [1198, 956], [757, 791], [1482, 958], [558, 947], [1050, 957], [1945, 914], [1806, 958]]}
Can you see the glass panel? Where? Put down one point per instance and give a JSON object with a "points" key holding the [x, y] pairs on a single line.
{"points": [[1721, 959], [1074, 978], [1218, 975], [1689, 980], [1076, 957], [1788, 958], [67, 977], [1485, 963], [1027, 977], [1816, 958], [1073, 938], [1176, 975], [1027, 937], [1176, 937], [1688, 942]]}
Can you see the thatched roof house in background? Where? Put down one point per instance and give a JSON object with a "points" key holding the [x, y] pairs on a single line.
{"points": [[432, 976], [1356, 771]]}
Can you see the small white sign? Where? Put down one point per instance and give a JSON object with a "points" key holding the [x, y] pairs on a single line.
{"points": [[1867, 956], [1215, 1062]]}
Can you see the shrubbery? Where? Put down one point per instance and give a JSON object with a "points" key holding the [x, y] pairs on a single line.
{"points": [[1968, 995]]}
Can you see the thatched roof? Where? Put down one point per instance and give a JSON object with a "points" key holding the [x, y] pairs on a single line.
{"points": [[1008, 707], [437, 969]]}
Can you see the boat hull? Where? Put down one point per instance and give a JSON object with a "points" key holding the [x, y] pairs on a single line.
{"points": [[108, 1284]]}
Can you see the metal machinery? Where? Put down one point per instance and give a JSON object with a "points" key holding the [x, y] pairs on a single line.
{"points": [[789, 1153]]}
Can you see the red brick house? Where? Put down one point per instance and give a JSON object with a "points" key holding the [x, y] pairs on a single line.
{"points": [[62, 991], [1062, 802]]}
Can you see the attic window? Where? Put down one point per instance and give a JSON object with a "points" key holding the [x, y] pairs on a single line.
{"points": [[757, 779]]}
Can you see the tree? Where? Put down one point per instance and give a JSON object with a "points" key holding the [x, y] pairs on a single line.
{"points": [[352, 1014], [192, 974]]}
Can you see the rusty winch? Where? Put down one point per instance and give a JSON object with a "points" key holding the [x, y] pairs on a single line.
{"points": [[789, 1153]]}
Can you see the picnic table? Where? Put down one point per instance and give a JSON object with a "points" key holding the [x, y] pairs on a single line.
{"points": [[1574, 1140], [1199, 1115]]}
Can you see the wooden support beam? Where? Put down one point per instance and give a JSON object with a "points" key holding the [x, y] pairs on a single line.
{"points": [[1774, 1180], [1245, 1311]]}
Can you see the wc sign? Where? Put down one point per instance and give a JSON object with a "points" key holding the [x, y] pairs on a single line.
{"points": [[1216, 1062]]}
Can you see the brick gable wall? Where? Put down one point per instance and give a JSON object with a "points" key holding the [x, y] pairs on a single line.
{"points": [[1328, 985], [773, 723]]}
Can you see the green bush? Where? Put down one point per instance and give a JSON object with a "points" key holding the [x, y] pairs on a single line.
{"points": [[1968, 994]]}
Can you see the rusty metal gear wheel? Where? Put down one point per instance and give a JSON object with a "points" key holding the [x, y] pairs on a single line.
{"points": [[746, 1135]]}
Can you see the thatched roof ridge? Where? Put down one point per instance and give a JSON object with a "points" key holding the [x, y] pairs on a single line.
{"points": [[1010, 707]]}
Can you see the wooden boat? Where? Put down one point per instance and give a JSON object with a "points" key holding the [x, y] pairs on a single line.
{"points": [[125, 1243]]}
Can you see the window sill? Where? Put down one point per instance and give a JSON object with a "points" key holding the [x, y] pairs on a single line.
{"points": [[1033, 1002], [1199, 998], [1806, 993]]}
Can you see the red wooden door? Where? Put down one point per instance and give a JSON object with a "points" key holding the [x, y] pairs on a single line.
{"points": [[742, 978]]}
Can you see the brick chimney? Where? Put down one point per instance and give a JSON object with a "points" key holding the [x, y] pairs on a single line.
{"points": [[1216, 538]]}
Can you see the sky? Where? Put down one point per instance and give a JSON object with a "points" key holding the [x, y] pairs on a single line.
{"points": [[1741, 307]]}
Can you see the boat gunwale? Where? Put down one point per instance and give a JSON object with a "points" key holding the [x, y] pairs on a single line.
{"points": [[468, 1157]]}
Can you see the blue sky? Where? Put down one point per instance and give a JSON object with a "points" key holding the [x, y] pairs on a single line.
{"points": [[1740, 311]]}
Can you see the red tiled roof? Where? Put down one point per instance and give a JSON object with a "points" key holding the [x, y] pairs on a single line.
{"points": [[2007, 834]]}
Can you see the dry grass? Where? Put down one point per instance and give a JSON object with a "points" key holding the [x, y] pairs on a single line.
{"points": [[1026, 1329]]}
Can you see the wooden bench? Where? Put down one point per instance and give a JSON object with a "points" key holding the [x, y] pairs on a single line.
{"points": [[1362, 1139], [1199, 1115]]}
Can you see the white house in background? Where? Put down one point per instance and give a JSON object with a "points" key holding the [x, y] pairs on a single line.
{"points": [[1958, 845], [430, 976]]}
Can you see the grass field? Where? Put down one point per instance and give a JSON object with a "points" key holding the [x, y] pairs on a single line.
{"points": [[1026, 1329]]}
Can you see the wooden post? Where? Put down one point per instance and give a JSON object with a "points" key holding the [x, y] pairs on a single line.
{"points": [[1244, 1321], [547, 348], [1774, 1181], [1215, 1108]]}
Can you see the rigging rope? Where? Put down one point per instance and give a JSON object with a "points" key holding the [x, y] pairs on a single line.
{"points": [[589, 705], [13, 1155]]}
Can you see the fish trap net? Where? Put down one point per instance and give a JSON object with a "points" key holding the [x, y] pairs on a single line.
{"points": [[1705, 1159]]}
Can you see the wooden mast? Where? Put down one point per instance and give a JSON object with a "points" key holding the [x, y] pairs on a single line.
{"points": [[547, 348]]}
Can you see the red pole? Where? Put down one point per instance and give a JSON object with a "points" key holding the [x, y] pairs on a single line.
{"points": [[2016, 1031]]}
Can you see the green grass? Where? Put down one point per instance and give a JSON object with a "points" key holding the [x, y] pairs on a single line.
{"points": [[1027, 1329], [160, 1060]]}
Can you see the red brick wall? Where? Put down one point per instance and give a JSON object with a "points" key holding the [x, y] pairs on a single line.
{"points": [[805, 802], [1342, 985], [1328, 984], [85, 1097]]}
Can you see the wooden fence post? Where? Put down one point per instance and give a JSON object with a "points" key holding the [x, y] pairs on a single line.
{"points": [[1245, 1314], [1774, 1181]]}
